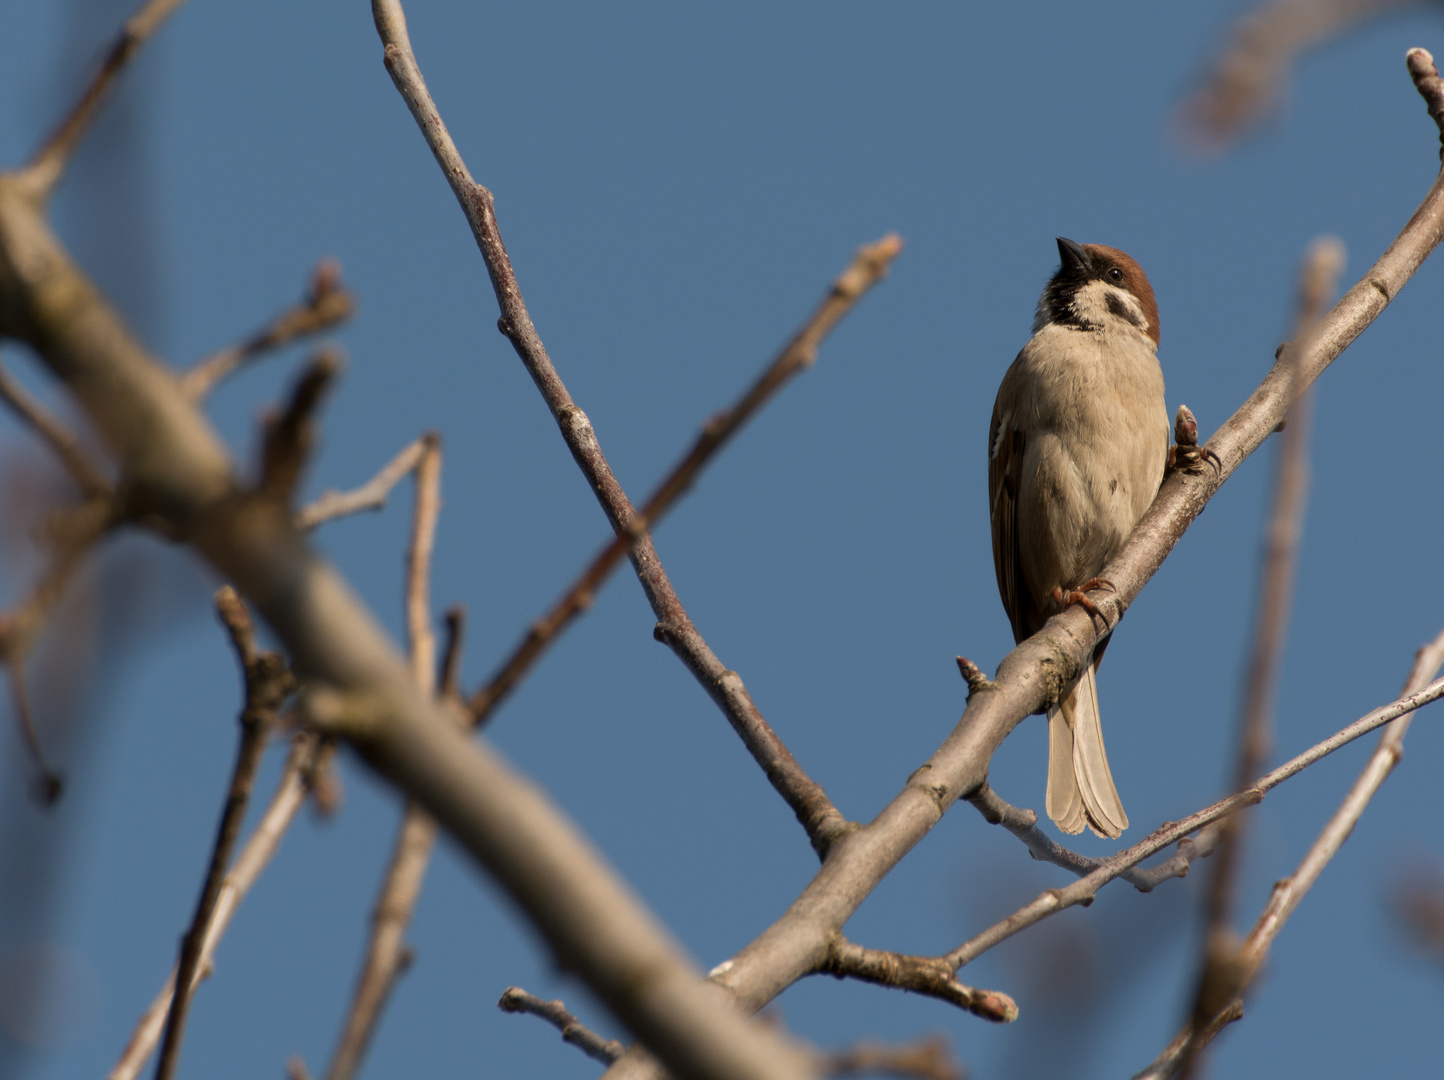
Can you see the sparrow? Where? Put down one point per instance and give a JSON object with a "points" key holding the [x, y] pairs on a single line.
{"points": [[1076, 452]]}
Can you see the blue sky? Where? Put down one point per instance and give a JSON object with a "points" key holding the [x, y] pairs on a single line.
{"points": [[677, 186]]}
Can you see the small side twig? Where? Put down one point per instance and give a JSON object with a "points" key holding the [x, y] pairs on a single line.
{"points": [[925, 1059], [45, 169], [1024, 825], [307, 757], [289, 437], [64, 442], [927, 975], [268, 683], [517, 1000], [327, 303], [330, 505], [1052, 901], [386, 955], [674, 627]]}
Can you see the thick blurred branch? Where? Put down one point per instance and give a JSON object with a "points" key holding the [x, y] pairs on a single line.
{"points": [[1249, 74]]}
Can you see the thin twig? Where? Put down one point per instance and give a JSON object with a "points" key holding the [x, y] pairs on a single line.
{"points": [[1290, 891], [386, 955], [1318, 281], [808, 801], [307, 756], [268, 683], [926, 1059], [517, 1000], [45, 169], [21, 627], [869, 267], [1082, 892], [66, 444], [330, 505], [674, 627], [327, 303], [1024, 825], [928, 975]]}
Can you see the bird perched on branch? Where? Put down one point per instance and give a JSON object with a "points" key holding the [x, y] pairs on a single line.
{"points": [[1076, 452]]}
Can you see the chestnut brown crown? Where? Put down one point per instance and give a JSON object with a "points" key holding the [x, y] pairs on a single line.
{"points": [[1071, 297]]}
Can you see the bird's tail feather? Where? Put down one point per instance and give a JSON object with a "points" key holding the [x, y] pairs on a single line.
{"points": [[1080, 784]]}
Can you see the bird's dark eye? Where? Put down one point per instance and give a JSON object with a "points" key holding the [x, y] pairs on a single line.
{"points": [[1115, 274]]}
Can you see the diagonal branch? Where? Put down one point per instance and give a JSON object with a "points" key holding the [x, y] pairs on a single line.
{"points": [[42, 175], [330, 505], [327, 303], [1053, 901], [386, 953], [808, 801], [64, 442], [517, 1000], [1318, 281], [1024, 825], [818, 815], [918, 974], [268, 684], [1226, 1003], [307, 756], [1034, 672]]}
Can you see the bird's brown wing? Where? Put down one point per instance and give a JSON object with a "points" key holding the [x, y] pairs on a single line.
{"points": [[1005, 467]]}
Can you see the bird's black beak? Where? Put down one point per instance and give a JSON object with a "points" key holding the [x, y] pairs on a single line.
{"points": [[1073, 256]]}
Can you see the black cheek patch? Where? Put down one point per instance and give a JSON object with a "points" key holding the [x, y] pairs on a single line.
{"points": [[1116, 306]]}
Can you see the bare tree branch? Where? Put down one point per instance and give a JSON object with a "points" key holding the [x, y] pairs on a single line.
{"points": [[1034, 672], [919, 974], [356, 684], [517, 1000], [268, 684], [806, 798], [306, 757], [1024, 825], [42, 175], [327, 303], [1249, 74], [66, 444], [330, 505], [1318, 281], [1082, 892], [817, 814], [1244, 962], [290, 436], [386, 955], [926, 1059]]}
